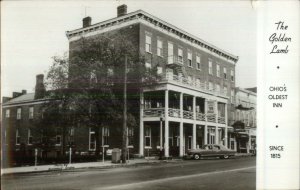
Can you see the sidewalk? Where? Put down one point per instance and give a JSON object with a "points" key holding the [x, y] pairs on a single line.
{"points": [[60, 167], [99, 164]]}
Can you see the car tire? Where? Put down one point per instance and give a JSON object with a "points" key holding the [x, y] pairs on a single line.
{"points": [[225, 156], [197, 156]]}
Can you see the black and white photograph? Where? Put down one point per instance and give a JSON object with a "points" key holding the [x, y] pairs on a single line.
{"points": [[129, 95]]}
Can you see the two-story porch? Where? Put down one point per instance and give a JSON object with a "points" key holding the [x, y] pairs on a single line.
{"points": [[175, 118]]}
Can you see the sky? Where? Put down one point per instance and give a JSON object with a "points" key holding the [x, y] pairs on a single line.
{"points": [[32, 32]]}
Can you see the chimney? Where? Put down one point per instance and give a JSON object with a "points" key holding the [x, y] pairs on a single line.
{"points": [[5, 99], [39, 87], [122, 10], [16, 94], [87, 21]]}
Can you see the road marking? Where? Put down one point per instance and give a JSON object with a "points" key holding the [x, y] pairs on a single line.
{"points": [[171, 179]]}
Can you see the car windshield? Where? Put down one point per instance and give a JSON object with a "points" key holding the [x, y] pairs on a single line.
{"points": [[207, 147]]}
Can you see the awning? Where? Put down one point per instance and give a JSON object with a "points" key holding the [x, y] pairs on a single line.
{"points": [[242, 135]]}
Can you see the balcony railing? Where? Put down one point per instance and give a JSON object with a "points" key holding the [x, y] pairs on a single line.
{"points": [[221, 119], [211, 117], [175, 60], [200, 116], [154, 112], [203, 86], [187, 114], [173, 112]]}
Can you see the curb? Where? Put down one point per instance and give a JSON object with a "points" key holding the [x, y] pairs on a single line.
{"points": [[63, 168]]}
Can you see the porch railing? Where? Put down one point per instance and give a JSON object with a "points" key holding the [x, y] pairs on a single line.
{"points": [[221, 119], [204, 86], [174, 112], [200, 116], [154, 112], [187, 114], [211, 117]]}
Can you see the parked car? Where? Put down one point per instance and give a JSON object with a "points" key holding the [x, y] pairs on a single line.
{"points": [[211, 150]]}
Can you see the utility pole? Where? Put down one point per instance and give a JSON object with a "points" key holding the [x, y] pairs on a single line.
{"points": [[124, 131]]}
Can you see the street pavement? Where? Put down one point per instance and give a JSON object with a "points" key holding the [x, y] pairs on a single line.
{"points": [[212, 174]]}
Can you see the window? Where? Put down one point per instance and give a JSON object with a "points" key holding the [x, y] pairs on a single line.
{"points": [[190, 79], [210, 70], [148, 65], [190, 59], [31, 110], [210, 86], [130, 136], [198, 83], [211, 135], [18, 138], [198, 62], [29, 137], [225, 90], [92, 139], [58, 137], [218, 70], [148, 43], [225, 73], [7, 113], [232, 115], [170, 53], [159, 48], [159, 70], [19, 113], [232, 96], [180, 56], [147, 136], [105, 136], [218, 88], [232, 75]]}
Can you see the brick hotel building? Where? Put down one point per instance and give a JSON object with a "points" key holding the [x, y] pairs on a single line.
{"points": [[194, 102]]}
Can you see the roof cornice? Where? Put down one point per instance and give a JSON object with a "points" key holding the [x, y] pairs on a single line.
{"points": [[140, 14]]}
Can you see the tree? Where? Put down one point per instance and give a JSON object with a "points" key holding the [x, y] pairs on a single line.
{"points": [[88, 87]]}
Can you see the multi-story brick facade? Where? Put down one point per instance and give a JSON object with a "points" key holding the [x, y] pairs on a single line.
{"points": [[196, 90], [192, 105], [244, 138]]}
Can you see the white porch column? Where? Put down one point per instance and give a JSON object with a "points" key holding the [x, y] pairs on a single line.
{"points": [[216, 111], [226, 126], [205, 109], [194, 124], [181, 139], [205, 135], [205, 126], [160, 134], [235, 145], [194, 136], [181, 126], [217, 135], [249, 143], [166, 123], [141, 151]]}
